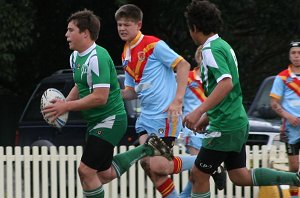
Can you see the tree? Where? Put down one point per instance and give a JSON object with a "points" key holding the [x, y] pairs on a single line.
{"points": [[259, 32], [16, 26], [33, 44]]}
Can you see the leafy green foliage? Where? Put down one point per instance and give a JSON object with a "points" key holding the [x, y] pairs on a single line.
{"points": [[259, 32], [16, 26], [32, 35]]}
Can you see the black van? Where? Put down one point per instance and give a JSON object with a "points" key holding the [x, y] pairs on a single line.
{"points": [[34, 131]]}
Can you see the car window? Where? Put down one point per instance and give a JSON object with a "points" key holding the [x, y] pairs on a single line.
{"points": [[260, 107]]}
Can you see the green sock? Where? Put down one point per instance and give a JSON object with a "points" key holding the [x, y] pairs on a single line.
{"points": [[269, 177], [200, 195], [123, 161], [96, 193]]}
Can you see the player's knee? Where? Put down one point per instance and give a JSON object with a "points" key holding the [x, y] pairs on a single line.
{"points": [[193, 177], [80, 173], [198, 178], [83, 173]]}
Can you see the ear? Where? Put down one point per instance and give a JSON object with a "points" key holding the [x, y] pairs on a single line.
{"points": [[139, 25], [86, 33]]}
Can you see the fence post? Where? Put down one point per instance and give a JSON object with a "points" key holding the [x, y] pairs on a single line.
{"points": [[45, 174], [2, 178]]}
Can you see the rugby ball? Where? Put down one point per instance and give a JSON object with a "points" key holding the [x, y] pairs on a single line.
{"points": [[48, 96]]}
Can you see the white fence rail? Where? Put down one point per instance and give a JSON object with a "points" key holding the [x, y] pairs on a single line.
{"points": [[42, 173]]}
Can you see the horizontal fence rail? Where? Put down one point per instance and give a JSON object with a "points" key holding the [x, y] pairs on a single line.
{"points": [[43, 172]]}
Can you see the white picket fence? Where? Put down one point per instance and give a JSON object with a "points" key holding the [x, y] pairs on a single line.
{"points": [[42, 173]]}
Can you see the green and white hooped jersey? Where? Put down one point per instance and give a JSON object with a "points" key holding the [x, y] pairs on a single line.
{"points": [[92, 69], [219, 62]]}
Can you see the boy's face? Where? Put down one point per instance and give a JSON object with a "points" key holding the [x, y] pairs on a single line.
{"points": [[295, 56], [74, 36], [128, 29], [196, 36]]}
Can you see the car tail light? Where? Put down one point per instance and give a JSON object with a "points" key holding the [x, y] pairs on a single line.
{"points": [[17, 138]]}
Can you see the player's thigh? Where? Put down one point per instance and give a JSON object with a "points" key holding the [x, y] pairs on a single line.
{"points": [[97, 154], [236, 160], [209, 160]]}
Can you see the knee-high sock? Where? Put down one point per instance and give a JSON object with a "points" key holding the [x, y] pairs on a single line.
{"points": [[182, 163], [96, 193], [186, 192], [123, 161], [167, 189], [268, 177]]}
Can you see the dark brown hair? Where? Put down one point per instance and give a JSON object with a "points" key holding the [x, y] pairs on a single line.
{"points": [[86, 20]]}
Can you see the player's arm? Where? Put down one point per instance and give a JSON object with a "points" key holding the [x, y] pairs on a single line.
{"points": [[73, 95], [224, 86], [218, 94], [276, 106], [182, 69], [203, 123], [128, 93], [98, 97]]}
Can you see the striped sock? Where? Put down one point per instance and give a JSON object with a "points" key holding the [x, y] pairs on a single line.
{"points": [[167, 189], [96, 193], [200, 195], [182, 163], [294, 191]]}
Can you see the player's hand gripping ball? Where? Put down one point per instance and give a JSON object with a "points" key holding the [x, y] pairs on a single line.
{"points": [[48, 96]]}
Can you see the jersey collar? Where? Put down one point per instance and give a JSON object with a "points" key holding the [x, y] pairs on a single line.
{"points": [[87, 50], [214, 37]]}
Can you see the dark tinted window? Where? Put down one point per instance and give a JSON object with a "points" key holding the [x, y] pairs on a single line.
{"points": [[261, 105]]}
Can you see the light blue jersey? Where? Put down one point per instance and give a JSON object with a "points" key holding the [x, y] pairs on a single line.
{"points": [[153, 61], [157, 87], [290, 101]]}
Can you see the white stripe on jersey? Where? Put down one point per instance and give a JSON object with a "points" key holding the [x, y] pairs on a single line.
{"points": [[106, 123], [101, 85]]}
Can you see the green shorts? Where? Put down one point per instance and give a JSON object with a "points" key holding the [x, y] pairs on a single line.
{"points": [[229, 141], [111, 129]]}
